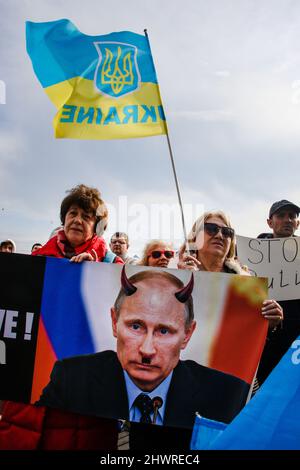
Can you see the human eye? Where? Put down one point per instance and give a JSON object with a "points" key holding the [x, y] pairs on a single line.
{"points": [[135, 326], [164, 331], [87, 216]]}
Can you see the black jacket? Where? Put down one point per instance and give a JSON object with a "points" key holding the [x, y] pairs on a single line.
{"points": [[94, 384], [279, 341]]}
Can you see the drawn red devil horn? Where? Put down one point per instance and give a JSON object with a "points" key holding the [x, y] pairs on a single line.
{"points": [[183, 294], [128, 287]]}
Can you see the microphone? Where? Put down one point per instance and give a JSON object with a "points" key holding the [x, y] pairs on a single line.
{"points": [[157, 403]]}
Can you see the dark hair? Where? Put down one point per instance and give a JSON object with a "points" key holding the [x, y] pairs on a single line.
{"points": [[36, 244], [88, 199]]}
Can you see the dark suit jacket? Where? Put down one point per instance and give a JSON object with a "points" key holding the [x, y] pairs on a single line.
{"points": [[94, 384]]}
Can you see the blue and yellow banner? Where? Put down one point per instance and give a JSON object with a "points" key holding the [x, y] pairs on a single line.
{"points": [[271, 420], [104, 87]]}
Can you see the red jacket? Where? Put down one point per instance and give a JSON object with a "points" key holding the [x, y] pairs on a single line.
{"points": [[30, 427], [59, 247]]}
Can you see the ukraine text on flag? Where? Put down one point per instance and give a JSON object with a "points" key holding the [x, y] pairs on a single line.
{"points": [[104, 87]]}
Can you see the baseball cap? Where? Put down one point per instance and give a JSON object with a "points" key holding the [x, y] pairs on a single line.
{"points": [[283, 203]]}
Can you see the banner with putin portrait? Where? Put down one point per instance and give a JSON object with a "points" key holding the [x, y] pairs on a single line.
{"points": [[157, 329]]}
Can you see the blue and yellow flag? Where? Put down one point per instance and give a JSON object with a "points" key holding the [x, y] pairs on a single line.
{"points": [[271, 420], [104, 87]]}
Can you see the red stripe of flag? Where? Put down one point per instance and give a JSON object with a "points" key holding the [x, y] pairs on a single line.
{"points": [[44, 360], [240, 339]]}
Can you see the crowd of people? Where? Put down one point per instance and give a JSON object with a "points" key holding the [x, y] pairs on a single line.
{"points": [[210, 246]]}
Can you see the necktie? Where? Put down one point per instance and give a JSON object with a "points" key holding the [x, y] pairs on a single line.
{"points": [[144, 403]]}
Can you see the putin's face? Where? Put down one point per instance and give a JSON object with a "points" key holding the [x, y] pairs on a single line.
{"points": [[151, 332]]}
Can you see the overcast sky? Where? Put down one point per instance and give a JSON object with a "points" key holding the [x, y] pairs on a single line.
{"points": [[229, 76]]}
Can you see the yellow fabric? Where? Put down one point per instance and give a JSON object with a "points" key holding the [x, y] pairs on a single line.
{"points": [[85, 113]]}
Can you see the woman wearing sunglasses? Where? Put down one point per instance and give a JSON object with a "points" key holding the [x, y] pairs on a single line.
{"points": [[212, 247], [157, 253]]}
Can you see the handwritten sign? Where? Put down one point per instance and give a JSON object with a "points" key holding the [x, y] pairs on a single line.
{"points": [[276, 258]]}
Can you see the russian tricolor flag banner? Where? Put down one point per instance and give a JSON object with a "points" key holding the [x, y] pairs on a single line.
{"points": [[104, 87], [51, 309]]}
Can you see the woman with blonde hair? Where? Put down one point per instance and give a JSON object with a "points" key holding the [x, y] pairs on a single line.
{"points": [[157, 253], [211, 246]]}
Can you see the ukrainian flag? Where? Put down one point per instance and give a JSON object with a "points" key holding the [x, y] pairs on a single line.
{"points": [[104, 87]]}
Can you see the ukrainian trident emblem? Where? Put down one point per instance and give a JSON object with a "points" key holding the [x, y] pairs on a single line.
{"points": [[117, 72]]}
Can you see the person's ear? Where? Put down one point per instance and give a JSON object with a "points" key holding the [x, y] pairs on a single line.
{"points": [[297, 224], [270, 222], [114, 321], [188, 334]]}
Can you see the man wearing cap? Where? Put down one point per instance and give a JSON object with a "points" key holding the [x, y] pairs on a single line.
{"points": [[283, 220], [119, 244]]}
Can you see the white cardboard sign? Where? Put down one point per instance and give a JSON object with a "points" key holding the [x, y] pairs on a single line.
{"points": [[275, 258]]}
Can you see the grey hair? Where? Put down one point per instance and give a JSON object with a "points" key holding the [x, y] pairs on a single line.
{"points": [[143, 275], [150, 246]]}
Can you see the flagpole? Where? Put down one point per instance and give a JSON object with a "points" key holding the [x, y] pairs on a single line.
{"points": [[172, 163], [177, 187]]}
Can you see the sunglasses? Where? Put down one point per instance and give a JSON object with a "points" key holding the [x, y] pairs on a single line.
{"points": [[158, 253], [213, 229]]}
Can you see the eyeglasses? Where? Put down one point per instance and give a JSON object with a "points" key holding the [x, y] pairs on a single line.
{"points": [[213, 229], [158, 253]]}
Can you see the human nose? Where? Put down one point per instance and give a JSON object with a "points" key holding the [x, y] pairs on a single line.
{"points": [[78, 218], [147, 347], [219, 234]]}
